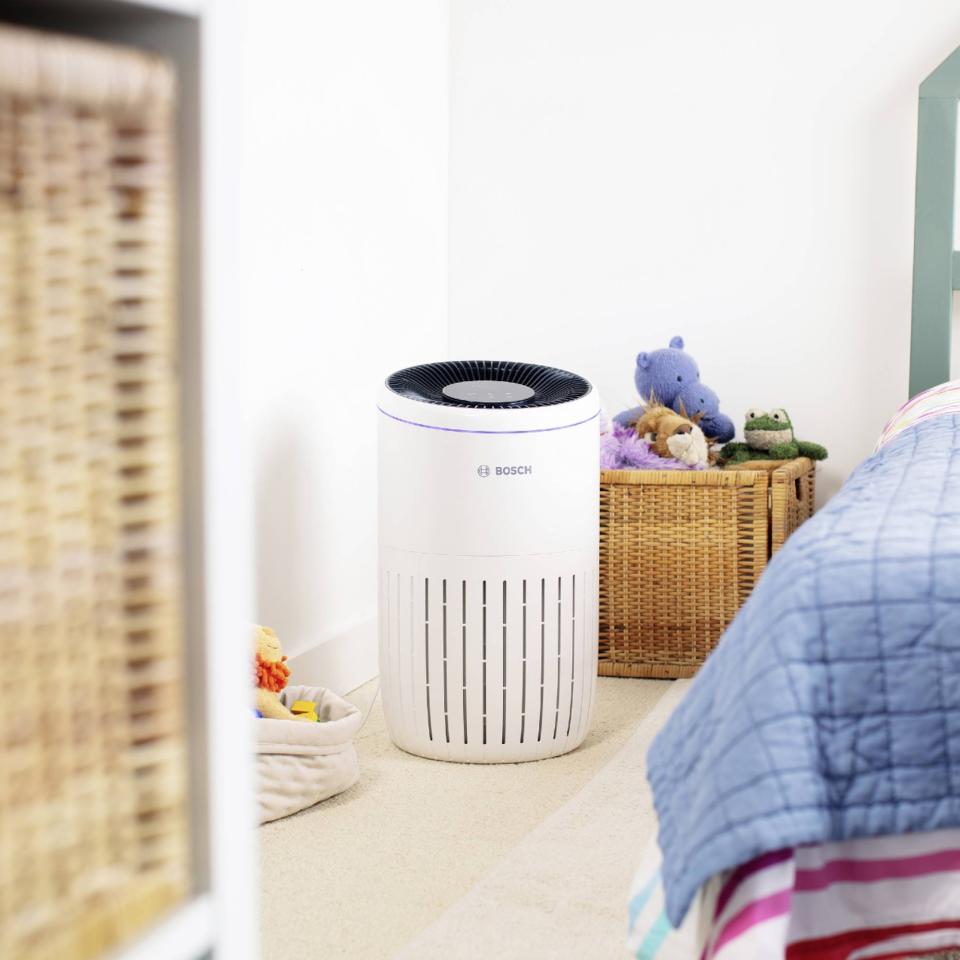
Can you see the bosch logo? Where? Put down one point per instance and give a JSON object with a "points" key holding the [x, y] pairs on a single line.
{"points": [[516, 471]]}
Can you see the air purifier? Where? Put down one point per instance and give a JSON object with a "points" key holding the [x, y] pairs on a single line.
{"points": [[488, 529]]}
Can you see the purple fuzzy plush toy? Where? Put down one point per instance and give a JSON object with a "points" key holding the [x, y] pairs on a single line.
{"points": [[672, 376], [622, 449]]}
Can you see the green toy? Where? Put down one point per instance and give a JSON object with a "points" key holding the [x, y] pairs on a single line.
{"points": [[769, 436]]}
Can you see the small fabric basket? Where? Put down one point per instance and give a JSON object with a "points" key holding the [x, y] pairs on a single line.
{"points": [[300, 763]]}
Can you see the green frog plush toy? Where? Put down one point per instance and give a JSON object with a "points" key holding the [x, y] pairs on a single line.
{"points": [[769, 436]]}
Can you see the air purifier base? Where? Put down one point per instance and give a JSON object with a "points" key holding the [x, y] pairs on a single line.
{"points": [[488, 659]]}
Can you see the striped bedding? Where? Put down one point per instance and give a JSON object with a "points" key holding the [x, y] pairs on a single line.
{"points": [[934, 402], [830, 709], [869, 899]]}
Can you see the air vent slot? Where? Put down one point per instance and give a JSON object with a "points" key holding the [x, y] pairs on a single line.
{"points": [[523, 681], [503, 686], [446, 703], [426, 650], [484, 682], [556, 715], [543, 652], [463, 628], [573, 646]]}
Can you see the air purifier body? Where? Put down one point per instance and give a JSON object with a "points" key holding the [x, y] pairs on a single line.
{"points": [[488, 529]]}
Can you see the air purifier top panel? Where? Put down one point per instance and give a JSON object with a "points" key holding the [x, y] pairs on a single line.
{"points": [[487, 383], [487, 393], [488, 396]]}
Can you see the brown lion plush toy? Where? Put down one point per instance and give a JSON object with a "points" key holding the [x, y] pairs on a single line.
{"points": [[671, 434], [270, 674]]}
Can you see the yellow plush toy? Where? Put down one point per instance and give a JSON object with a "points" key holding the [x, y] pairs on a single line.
{"points": [[270, 675]]}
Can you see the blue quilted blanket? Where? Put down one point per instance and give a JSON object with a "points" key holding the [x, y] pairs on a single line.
{"points": [[831, 708]]}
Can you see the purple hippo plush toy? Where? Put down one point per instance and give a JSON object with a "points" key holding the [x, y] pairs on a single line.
{"points": [[673, 378]]}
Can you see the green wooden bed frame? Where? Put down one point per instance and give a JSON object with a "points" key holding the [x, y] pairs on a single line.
{"points": [[936, 265]]}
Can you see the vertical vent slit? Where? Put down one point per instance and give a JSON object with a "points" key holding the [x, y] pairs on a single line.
{"points": [[484, 660], [463, 640], [397, 627], [585, 691], [415, 699], [573, 645], [446, 709], [426, 649], [387, 623], [543, 651], [523, 685], [503, 689], [556, 715]]}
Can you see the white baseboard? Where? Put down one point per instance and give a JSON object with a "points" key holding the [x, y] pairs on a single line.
{"points": [[341, 663]]}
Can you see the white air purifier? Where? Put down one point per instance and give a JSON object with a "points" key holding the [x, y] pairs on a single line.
{"points": [[489, 529]]}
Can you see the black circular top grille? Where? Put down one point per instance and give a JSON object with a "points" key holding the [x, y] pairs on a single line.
{"points": [[426, 383]]}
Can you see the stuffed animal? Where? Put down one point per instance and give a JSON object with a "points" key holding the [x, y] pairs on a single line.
{"points": [[769, 436], [673, 435], [671, 377], [270, 675], [622, 449]]}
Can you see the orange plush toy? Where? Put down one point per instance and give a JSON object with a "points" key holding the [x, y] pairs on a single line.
{"points": [[270, 675], [674, 435]]}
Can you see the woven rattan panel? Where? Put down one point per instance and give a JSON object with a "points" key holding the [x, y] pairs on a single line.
{"points": [[93, 829], [793, 488], [679, 554]]}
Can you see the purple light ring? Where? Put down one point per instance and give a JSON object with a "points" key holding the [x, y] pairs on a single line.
{"points": [[428, 426]]}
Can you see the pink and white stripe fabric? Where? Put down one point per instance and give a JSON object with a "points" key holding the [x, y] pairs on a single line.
{"points": [[869, 899], [938, 400]]}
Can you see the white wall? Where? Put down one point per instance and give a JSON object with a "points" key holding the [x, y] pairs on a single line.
{"points": [[739, 173], [618, 172], [344, 214]]}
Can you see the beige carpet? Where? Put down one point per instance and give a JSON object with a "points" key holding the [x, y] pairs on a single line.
{"points": [[561, 893], [364, 874]]}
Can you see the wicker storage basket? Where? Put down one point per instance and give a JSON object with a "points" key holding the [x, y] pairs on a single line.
{"points": [[681, 551], [93, 825]]}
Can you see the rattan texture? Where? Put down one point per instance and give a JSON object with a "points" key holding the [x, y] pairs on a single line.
{"points": [[792, 495], [93, 825], [679, 554]]}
